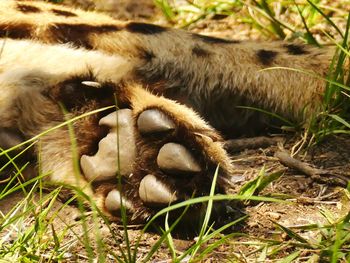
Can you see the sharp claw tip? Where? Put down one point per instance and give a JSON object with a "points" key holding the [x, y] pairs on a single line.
{"points": [[92, 84]]}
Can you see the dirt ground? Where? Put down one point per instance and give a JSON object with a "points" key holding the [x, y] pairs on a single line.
{"points": [[306, 201], [306, 197]]}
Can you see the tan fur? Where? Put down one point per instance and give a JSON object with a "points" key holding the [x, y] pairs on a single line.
{"points": [[29, 84], [26, 75], [133, 60], [47, 64], [211, 76]]}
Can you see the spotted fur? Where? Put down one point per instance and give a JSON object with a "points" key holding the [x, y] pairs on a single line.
{"points": [[49, 51], [35, 99], [211, 75]]}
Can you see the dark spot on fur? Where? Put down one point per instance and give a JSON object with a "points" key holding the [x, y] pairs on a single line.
{"points": [[144, 28], [200, 52], [295, 49], [59, 12], [28, 8], [215, 40], [73, 94], [266, 57], [78, 34], [16, 31], [157, 78], [147, 55], [10, 137]]}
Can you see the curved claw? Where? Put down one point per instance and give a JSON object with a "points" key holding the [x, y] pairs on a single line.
{"points": [[113, 199], [92, 84], [153, 191], [175, 158], [151, 121]]}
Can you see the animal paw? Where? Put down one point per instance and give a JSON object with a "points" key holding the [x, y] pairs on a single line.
{"points": [[162, 152]]}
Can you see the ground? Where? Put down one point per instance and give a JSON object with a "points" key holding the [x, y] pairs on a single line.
{"points": [[307, 202]]}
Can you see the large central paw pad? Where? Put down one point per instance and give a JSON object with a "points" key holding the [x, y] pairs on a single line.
{"points": [[161, 159], [116, 152]]}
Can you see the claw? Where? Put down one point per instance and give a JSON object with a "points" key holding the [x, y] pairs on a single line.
{"points": [[153, 191], [175, 158], [113, 199], [153, 120], [92, 84]]}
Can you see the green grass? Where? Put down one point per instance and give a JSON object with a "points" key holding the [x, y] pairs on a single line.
{"points": [[30, 232], [35, 230], [309, 21], [314, 22]]}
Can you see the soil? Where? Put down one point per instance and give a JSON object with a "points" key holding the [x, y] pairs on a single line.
{"points": [[308, 200]]}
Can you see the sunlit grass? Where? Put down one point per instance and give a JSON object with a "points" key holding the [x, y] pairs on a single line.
{"points": [[28, 230], [317, 23], [275, 18]]}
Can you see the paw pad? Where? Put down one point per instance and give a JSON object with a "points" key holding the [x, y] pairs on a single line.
{"points": [[155, 170], [119, 142]]}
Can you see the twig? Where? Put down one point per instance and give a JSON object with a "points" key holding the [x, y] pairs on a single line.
{"points": [[319, 175], [237, 145]]}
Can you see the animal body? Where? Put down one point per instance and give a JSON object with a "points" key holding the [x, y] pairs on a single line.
{"points": [[58, 63]]}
